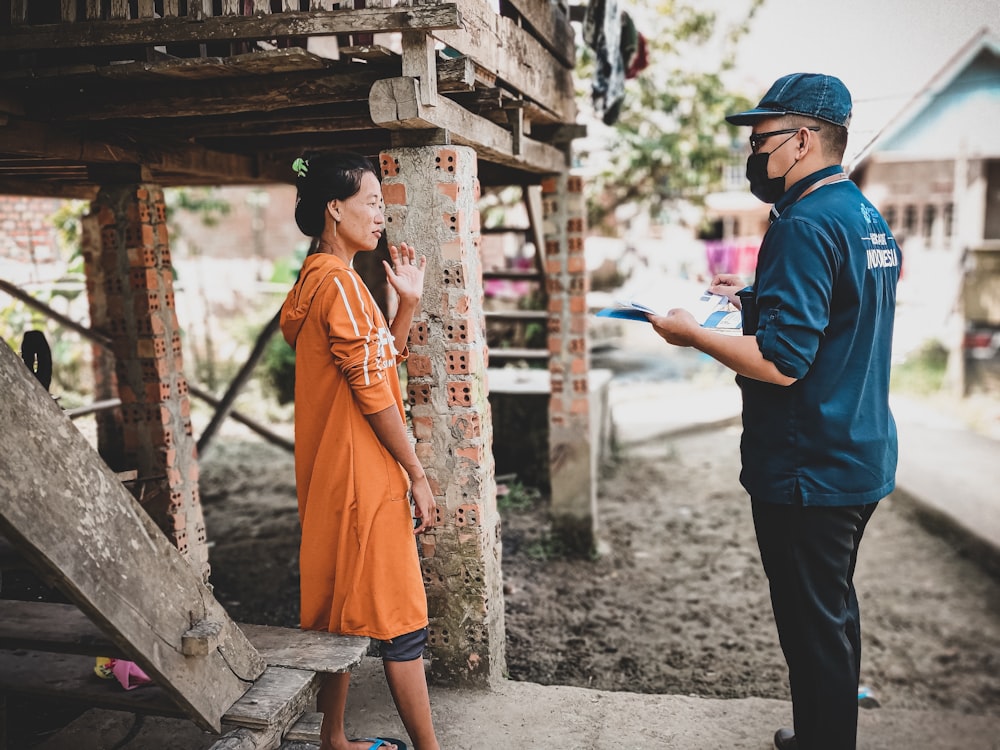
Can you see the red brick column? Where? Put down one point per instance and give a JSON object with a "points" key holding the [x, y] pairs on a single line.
{"points": [[131, 292], [431, 196], [572, 473]]}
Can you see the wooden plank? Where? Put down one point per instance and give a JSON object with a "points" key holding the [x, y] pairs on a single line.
{"points": [[212, 98], [395, 104], [312, 650], [242, 738], [93, 8], [67, 10], [306, 729], [277, 698], [518, 315], [515, 56], [172, 30], [290, 60], [18, 11], [517, 353], [77, 523], [420, 62], [63, 628], [119, 9], [551, 26], [533, 206], [147, 9], [456, 74], [372, 53], [52, 627], [70, 677]]}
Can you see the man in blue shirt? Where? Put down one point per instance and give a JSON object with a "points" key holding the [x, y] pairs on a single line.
{"points": [[819, 442]]}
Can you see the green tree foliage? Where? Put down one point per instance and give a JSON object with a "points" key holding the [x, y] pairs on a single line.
{"points": [[671, 140]]}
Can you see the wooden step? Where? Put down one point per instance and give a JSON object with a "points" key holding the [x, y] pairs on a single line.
{"points": [[306, 729], [62, 628], [277, 698]]}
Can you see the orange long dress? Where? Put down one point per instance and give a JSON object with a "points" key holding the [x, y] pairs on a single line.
{"points": [[360, 571]]}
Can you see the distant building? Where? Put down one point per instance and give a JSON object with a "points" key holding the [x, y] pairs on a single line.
{"points": [[934, 173], [934, 170]]}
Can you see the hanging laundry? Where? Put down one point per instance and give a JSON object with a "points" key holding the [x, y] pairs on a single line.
{"points": [[602, 29], [635, 52]]}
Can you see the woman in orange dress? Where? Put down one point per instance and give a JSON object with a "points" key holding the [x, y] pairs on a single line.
{"points": [[355, 467]]}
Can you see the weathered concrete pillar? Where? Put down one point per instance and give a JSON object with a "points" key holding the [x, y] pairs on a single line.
{"points": [[431, 195], [573, 473], [131, 292]]}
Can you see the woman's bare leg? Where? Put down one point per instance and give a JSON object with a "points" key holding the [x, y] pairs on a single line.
{"points": [[408, 686], [331, 702]]}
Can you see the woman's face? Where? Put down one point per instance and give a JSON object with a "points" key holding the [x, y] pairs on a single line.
{"points": [[360, 217]]}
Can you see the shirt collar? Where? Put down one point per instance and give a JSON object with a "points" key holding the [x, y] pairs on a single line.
{"points": [[795, 191]]}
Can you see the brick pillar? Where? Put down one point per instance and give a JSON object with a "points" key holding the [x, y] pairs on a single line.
{"points": [[573, 474], [131, 293], [431, 195], [110, 425]]}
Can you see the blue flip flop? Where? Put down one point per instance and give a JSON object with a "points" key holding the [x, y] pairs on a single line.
{"points": [[380, 741]]}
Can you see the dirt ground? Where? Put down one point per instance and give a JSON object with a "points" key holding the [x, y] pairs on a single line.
{"points": [[675, 602]]}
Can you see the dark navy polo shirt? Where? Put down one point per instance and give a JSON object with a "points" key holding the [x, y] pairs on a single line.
{"points": [[826, 294]]}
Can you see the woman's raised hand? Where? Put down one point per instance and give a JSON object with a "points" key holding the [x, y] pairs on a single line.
{"points": [[406, 271]]}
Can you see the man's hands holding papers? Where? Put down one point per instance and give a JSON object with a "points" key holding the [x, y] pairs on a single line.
{"points": [[711, 311]]}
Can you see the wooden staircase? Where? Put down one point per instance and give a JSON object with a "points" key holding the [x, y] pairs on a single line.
{"points": [[66, 517]]}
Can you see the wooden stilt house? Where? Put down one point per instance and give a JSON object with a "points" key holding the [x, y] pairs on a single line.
{"points": [[113, 100]]}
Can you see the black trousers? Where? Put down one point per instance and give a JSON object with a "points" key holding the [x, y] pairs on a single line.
{"points": [[809, 554]]}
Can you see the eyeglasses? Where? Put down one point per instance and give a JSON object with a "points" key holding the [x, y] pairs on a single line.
{"points": [[757, 139]]}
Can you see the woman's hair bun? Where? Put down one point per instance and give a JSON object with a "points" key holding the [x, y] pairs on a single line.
{"points": [[323, 177]]}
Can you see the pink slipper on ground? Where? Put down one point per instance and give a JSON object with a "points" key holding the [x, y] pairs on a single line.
{"points": [[128, 674]]}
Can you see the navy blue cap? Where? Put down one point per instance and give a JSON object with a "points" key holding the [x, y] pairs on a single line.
{"points": [[811, 94]]}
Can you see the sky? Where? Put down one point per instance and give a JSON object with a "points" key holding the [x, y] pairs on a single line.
{"points": [[885, 51]]}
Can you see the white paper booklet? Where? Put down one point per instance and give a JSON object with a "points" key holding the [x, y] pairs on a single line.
{"points": [[712, 311]]}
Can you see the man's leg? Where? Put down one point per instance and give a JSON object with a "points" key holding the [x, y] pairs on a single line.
{"points": [[809, 554]]}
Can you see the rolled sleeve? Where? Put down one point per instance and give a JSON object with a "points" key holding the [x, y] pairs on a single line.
{"points": [[794, 298]]}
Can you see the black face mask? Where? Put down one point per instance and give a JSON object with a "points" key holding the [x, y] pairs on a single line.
{"points": [[767, 189]]}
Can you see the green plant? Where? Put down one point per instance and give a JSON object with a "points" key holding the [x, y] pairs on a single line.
{"points": [[922, 373], [515, 496]]}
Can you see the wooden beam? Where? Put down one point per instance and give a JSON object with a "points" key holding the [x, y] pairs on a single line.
{"points": [[172, 30], [78, 524], [241, 378], [551, 25], [515, 56], [420, 62], [40, 140], [395, 105], [208, 98]]}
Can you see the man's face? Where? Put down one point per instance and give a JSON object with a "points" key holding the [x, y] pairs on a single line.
{"points": [[776, 137]]}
